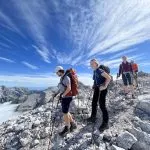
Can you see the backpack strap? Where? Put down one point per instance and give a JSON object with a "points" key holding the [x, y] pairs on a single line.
{"points": [[66, 74]]}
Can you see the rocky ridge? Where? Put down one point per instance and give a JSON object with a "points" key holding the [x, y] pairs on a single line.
{"points": [[129, 123]]}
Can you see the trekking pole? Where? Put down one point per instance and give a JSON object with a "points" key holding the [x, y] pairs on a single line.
{"points": [[139, 89], [52, 122], [138, 84], [90, 95], [116, 84]]}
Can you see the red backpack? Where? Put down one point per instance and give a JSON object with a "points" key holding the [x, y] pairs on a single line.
{"points": [[71, 73]]}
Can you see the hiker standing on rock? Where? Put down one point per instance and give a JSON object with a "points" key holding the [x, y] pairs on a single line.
{"points": [[101, 81], [67, 89], [125, 69]]}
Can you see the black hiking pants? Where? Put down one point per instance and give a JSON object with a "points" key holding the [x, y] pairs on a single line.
{"points": [[99, 96]]}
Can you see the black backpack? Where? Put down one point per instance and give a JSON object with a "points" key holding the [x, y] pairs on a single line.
{"points": [[105, 68]]}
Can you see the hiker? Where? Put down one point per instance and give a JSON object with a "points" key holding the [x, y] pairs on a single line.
{"points": [[125, 69], [101, 81], [135, 72], [66, 92]]}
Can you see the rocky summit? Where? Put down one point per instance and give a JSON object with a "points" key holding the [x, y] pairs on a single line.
{"points": [[38, 126]]}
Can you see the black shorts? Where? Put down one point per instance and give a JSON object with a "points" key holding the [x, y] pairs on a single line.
{"points": [[127, 79], [65, 103]]}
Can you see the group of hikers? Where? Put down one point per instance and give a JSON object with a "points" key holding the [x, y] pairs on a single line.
{"points": [[68, 87]]}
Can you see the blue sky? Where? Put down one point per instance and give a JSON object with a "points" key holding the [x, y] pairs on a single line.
{"points": [[37, 35]]}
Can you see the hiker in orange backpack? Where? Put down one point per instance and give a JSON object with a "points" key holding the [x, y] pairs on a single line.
{"points": [[135, 72], [68, 87]]}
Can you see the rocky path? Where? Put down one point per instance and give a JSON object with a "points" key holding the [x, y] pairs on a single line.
{"points": [[129, 125]]}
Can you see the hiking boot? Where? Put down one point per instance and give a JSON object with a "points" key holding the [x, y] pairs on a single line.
{"points": [[133, 96], [65, 131], [103, 127], [125, 94], [91, 119], [73, 126]]}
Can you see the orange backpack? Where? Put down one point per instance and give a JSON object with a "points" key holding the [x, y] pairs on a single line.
{"points": [[135, 67], [71, 73]]}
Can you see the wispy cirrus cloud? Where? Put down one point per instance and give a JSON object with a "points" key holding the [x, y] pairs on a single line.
{"points": [[114, 63], [4, 45], [123, 24], [7, 60], [29, 65], [8, 23], [44, 53], [90, 28], [123, 53], [8, 40], [104, 27], [35, 16]]}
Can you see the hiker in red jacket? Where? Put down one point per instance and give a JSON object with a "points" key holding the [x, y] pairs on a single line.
{"points": [[125, 69]]}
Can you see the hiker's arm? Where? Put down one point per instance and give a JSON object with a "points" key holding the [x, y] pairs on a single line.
{"points": [[68, 89], [107, 77], [120, 70], [93, 82]]}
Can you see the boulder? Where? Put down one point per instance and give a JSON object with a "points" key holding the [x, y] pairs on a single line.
{"points": [[145, 126], [140, 146], [24, 141], [143, 106], [141, 136], [126, 140], [114, 147], [35, 142]]}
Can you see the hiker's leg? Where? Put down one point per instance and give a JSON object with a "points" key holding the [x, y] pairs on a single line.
{"points": [[94, 102], [66, 119], [102, 103], [126, 89], [125, 83], [65, 109], [130, 80], [70, 117]]}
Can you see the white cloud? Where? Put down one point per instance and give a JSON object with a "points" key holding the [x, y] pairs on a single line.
{"points": [[9, 41], [95, 29], [35, 15], [114, 63], [4, 45], [29, 65], [44, 53], [123, 53], [104, 27], [9, 24], [6, 60], [40, 80], [123, 24], [86, 78]]}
